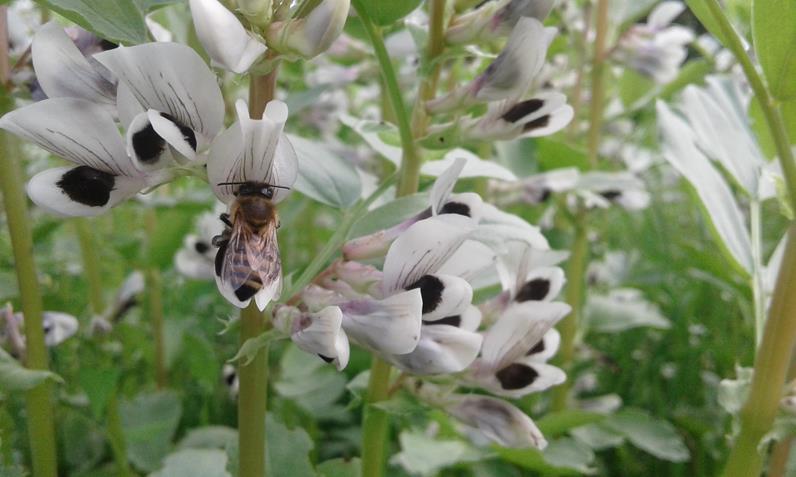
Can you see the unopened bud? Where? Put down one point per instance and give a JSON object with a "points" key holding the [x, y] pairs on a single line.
{"points": [[310, 36], [258, 12]]}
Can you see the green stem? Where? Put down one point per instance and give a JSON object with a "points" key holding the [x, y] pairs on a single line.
{"points": [[88, 251], [597, 82], [154, 300], [253, 377], [116, 437], [771, 367], [576, 278], [376, 422], [38, 401], [758, 293], [767, 103], [252, 397], [410, 163], [91, 268]]}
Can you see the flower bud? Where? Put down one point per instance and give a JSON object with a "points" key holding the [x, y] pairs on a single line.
{"points": [[309, 36], [258, 12]]}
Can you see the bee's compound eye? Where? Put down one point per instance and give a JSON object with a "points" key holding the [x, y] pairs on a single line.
{"points": [[268, 192]]}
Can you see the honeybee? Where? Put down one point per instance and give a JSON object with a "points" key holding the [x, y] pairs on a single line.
{"points": [[247, 260]]}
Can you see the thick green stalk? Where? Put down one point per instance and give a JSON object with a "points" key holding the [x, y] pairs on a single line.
{"points": [[252, 397], [779, 334], [154, 300], [375, 421], [576, 279], [409, 173], [758, 292], [253, 377], [38, 401], [91, 269], [597, 82], [578, 261], [771, 367]]}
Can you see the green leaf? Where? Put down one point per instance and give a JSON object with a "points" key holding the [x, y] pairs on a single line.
{"points": [[702, 12], [621, 310], [389, 214], [312, 384], [120, 20], [288, 453], [149, 422], [402, 404], [200, 360], [324, 176], [172, 225], [554, 424], [147, 5], [385, 13], [252, 346], [340, 468], [193, 463], [15, 377], [598, 436], [99, 385], [552, 154], [563, 457], [210, 437], [425, 456], [651, 435], [774, 33]]}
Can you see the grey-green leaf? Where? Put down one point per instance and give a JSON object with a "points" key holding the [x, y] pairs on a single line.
{"points": [[651, 435], [288, 450], [15, 377], [774, 33], [120, 20], [194, 462], [324, 176], [149, 422]]}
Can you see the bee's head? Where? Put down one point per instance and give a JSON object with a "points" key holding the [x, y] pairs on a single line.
{"points": [[251, 189]]}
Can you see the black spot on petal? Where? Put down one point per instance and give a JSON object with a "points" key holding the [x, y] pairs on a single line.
{"points": [[537, 123], [229, 378], [201, 246], [245, 291], [611, 194], [187, 133], [523, 109], [325, 358], [538, 348], [107, 45], [148, 146], [516, 376], [545, 195], [455, 320], [431, 289], [87, 185], [457, 208], [535, 289]]}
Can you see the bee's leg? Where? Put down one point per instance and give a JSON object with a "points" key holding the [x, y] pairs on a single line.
{"points": [[278, 223], [225, 218], [220, 240]]}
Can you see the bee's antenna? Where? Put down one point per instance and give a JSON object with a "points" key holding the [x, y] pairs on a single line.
{"points": [[229, 183]]}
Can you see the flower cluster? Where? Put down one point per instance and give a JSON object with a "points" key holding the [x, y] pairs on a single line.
{"points": [[417, 312]]}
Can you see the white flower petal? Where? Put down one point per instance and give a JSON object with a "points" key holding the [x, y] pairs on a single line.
{"points": [[127, 106], [74, 129], [170, 78], [158, 31], [514, 69], [443, 295], [63, 71], [472, 261], [58, 327], [80, 191], [547, 347], [181, 138], [679, 149], [549, 123], [473, 167], [541, 284], [442, 349], [523, 377], [224, 37], [146, 148], [422, 249], [444, 184], [324, 336], [520, 327], [499, 421], [268, 292], [190, 262], [664, 13], [470, 319], [253, 150], [389, 326]]}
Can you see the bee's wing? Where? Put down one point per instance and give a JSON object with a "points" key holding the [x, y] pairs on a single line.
{"points": [[250, 264]]}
